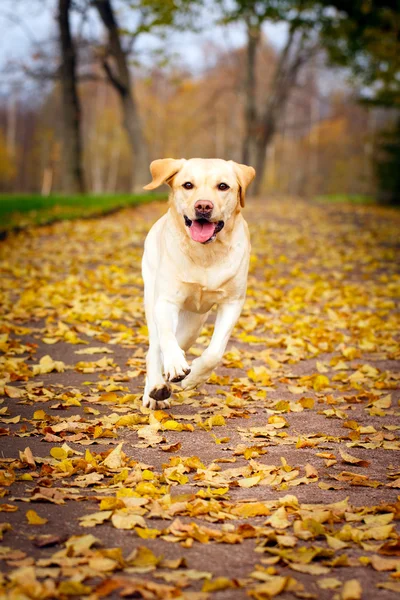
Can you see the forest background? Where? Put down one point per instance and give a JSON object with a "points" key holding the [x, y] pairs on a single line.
{"points": [[306, 91]]}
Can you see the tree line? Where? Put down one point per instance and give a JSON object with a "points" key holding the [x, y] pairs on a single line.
{"points": [[259, 102]]}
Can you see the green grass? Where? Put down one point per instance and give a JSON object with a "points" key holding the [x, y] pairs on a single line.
{"points": [[19, 211], [346, 199]]}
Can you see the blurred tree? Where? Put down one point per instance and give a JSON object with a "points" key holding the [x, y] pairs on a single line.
{"points": [[364, 35], [388, 165], [71, 113], [261, 125], [120, 77], [7, 166], [151, 16]]}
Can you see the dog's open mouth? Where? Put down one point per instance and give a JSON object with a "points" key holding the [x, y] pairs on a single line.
{"points": [[203, 230]]}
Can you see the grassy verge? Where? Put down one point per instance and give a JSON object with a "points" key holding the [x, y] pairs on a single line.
{"points": [[346, 199], [19, 211]]}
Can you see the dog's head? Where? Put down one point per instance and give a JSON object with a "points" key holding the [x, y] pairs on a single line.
{"points": [[207, 192]]}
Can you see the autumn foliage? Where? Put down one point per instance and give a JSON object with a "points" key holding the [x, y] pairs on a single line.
{"points": [[279, 476]]}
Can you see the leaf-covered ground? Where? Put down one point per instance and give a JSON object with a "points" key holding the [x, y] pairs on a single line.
{"points": [[280, 477]]}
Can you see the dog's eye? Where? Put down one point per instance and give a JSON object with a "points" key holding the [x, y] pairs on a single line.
{"points": [[223, 187], [188, 185]]}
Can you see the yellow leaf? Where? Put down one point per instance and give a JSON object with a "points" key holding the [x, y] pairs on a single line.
{"points": [[114, 459], [58, 453], [348, 458], [278, 421], [269, 589], [307, 402], [219, 583], [47, 365], [94, 350], [34, 519], [385, 564], [147, 489], [74, 588], [249, 482], [142, 557], [250, 509], [39, 415], [335, 543], [126, 520], [223, 440], [147, 534], [382, 403], [320, 382], [80, 544], [102, 564], [378, 533], [352, 590], [111, 503], [311, 471], [171, 425], [392, 586], [279, 519], [94, 519], [260, 375], [328, 583], [27, 457], [311, 569], [178, 477]]}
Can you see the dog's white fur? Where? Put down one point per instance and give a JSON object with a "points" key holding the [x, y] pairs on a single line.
{"points": [[184, 279]]}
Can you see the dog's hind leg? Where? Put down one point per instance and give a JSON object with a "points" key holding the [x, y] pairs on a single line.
{"points": [[189, 327], [203, 366]]}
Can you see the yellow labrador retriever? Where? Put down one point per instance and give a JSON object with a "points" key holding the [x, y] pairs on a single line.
{"points": [[195, 256]]}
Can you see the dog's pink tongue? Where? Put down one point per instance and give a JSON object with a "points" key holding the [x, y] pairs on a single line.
{"points": [[201, 232]]}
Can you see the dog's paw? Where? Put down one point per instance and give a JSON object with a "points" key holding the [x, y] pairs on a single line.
{"points": [[198, 375], [190, 384], [176, 367], [193, 381], [158, 397]]}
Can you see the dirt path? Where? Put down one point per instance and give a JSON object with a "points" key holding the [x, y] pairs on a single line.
{"points": [[280, 477]]}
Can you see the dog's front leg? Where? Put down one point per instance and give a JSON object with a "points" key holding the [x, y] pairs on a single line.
{"points": [[203, 366], [166, 316]]}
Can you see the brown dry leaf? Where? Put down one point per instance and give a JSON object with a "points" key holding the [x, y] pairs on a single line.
{"points": [[351, 590], [311, 471], [114, 460], [348, 458], [279, 519], [269, 589], [308, 369], [384, 564], [391, 586], [248, 482], [329, 583], [47, 365], [217, 584], [125, 520]]}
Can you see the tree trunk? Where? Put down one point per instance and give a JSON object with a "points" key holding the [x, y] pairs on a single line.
{"points": [[262, 144], [285, 78], [253, 40], [71, 113], [122, 82]]}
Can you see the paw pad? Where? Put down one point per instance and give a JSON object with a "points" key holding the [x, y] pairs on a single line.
{"points": [[161, 392]]}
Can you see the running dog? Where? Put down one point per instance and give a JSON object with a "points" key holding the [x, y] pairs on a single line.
{"points": [[196, 256]]}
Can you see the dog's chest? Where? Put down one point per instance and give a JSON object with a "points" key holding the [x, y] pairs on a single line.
{"points": [[209, 287]]}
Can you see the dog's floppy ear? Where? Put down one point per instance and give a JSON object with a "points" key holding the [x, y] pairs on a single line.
{"points": [[245, 176], [162, 170]]}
